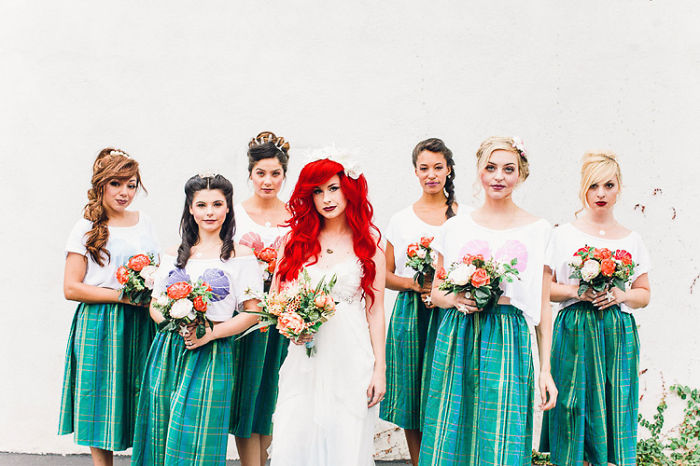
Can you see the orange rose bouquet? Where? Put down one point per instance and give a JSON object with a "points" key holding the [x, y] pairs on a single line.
{"points": [[136, 278], [299, 309], [421, 258], [478, 278], [267, 257], [184, 305], [601, 269]]}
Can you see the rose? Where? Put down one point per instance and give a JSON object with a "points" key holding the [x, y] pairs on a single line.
{"points": [[577, 261], [179, 290], [421, 253], [425, 241], [590, 270], [264, 329], [162, 300], [441, 274], [607, 267], [412, 250], [148, 275], [290, 321], [267, 255], [320, 301], [581, 251], [200, 304], [623, 256], [138, 262], [601, 254], [181, 308], [330, 303], [480, 278], [461, 274], [271, 266], [122, 275]]}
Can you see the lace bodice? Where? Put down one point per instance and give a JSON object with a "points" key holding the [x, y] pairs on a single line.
{"points": [[348, 279]]}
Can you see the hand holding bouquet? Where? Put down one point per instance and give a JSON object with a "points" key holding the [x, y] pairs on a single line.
{"points": [[478, 278], [183, 305], [136, 278], [421, 258], [268, 260], [297, 311], [601, 269]]}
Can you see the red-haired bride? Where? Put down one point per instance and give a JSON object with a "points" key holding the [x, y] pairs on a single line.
{"points": [[327, 404]]}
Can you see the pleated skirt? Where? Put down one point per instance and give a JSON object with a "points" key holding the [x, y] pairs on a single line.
{"points": [[406, 344], [480, 403], [257, 361], [184, 411], [595, 365], [105, 357]]}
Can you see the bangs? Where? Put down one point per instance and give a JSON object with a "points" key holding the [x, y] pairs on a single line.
{"points": [[601, 174]]}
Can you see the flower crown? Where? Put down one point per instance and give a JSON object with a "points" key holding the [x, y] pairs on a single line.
{"points": [[519, 146], [118, 152], [279, 144], [351, 167]]}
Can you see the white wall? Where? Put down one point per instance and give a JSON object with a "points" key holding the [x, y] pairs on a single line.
{"points": [[183, 86]]}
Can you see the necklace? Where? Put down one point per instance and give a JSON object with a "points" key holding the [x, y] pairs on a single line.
{"points": [[329, 250]]}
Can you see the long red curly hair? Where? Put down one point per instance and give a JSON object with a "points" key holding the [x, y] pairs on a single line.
{"points": [[302, 246]]}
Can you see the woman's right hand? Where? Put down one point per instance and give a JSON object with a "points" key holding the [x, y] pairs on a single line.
{"points": [[302, 339], [590, 295], [463, 304]]}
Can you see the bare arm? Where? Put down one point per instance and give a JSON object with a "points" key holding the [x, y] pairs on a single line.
{"points": [[393, 281], [75, 290], [441, 299], [636, 297], [548, 391], [560, 292], [375, 318]]}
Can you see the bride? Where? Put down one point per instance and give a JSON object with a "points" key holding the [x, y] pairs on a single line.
{"points": [[327, 405]]}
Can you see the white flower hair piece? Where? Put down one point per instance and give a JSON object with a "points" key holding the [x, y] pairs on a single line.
{"points": [[351, 166], [207, 175], [519, 146], [118, 152]]}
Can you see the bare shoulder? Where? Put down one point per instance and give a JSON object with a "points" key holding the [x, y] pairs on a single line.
{"points": [[172, 250], [242, 250]]}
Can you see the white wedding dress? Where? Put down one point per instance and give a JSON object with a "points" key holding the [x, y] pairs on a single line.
{"points": [[321, 418]]}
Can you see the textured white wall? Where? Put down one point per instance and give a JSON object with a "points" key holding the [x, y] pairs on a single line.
{"points": [[182, 87]]}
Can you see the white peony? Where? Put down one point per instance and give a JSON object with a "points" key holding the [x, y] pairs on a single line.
{"points": [[461, 274], [181, 308], [590, 270], [576, 261], [148, 274], [192, 314], [421, 253], [163, 300]]}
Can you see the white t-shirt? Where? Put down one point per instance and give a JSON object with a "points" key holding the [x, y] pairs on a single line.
{"points": [[567, 239], [404, 228], [229, 281], [253, 235], [461, 235], [123, 242]]}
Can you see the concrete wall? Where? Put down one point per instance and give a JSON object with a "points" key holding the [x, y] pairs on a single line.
{"points": [[183, 86]]}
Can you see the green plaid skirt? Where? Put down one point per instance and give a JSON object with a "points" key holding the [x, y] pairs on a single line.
{"points": [[185, 406], [257, 360], [595, 365], [480, 403], [430, 340], [106, 353], [406, 344]]}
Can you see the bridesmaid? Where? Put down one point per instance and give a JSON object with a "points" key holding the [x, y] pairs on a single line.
{"points": [[480, 404], [595, 357], [409, 343], [109, 337], [258, 356], [184, 411]]}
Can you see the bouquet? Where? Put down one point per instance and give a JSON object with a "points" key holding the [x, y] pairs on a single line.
{"points": [[601, 269], [266, 256], [185, 304], [478, 278], [299, 309], [421, 259], [136, 278]]}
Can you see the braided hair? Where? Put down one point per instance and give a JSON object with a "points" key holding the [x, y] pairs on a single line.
{"points": [[438, 146]]}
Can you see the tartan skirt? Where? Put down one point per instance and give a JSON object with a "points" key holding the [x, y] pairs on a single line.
{"points": [[481, 394], [257, 360], [185, 406], [595, 365], [406, 343], [105, 357]]}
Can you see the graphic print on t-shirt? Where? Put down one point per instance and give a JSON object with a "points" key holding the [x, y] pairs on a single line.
{"points": [[215, 278], [511, 249]]}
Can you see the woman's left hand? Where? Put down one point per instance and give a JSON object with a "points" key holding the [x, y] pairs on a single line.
{"points": [[548, 391], [607, 298], [192, 342], [376, 389]]}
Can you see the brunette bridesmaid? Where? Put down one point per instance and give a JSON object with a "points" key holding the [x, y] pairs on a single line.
{"points": [[414, 320], [109, 337], [258, 356]]}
